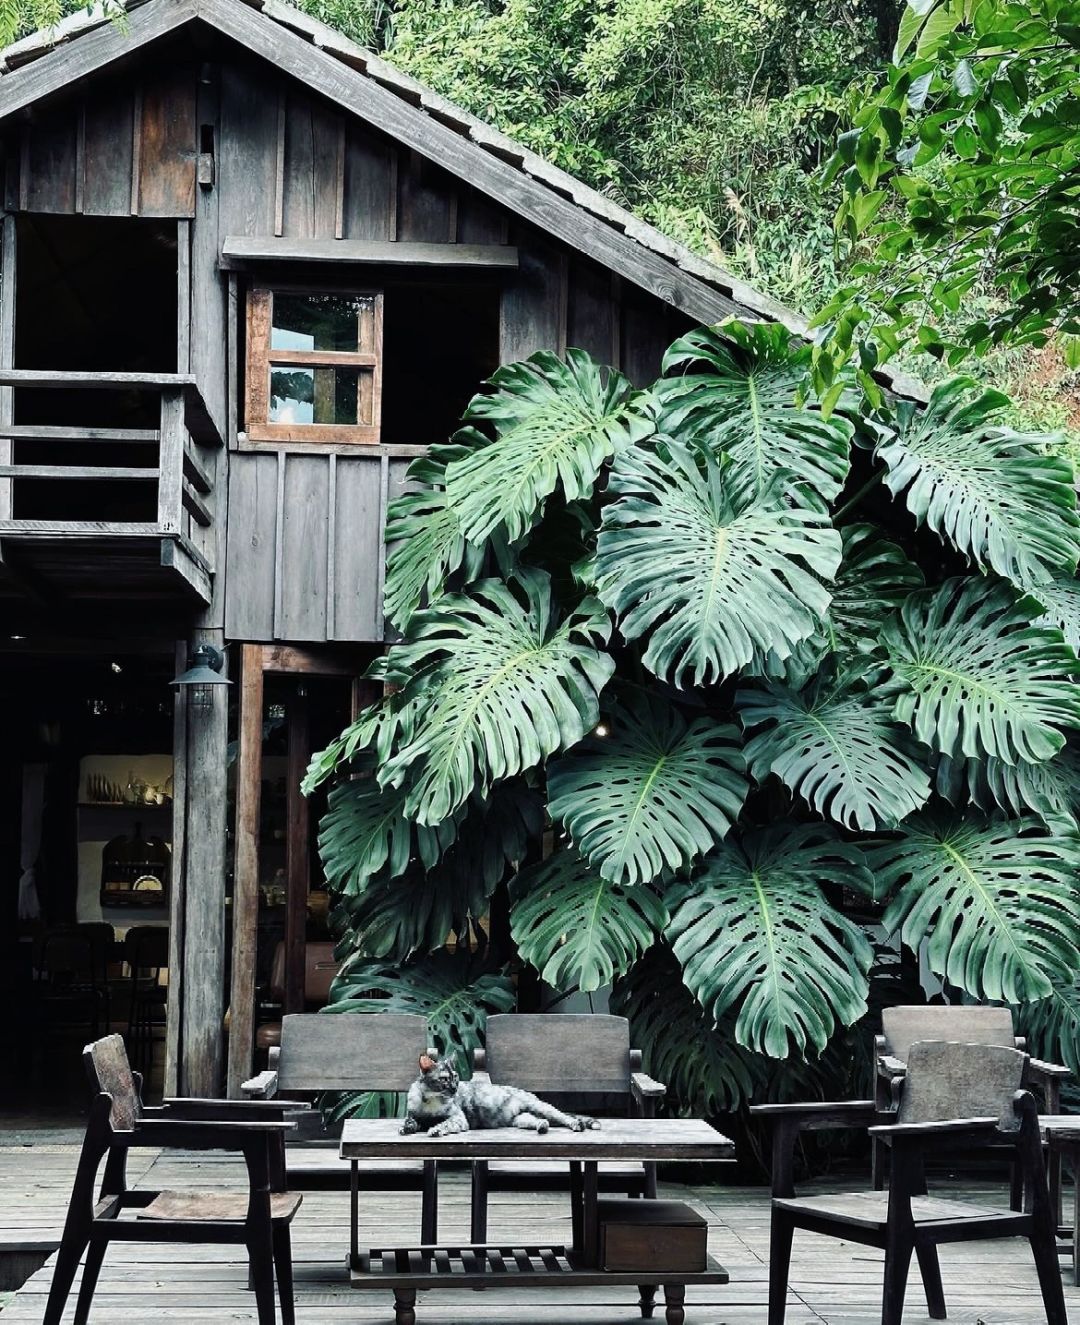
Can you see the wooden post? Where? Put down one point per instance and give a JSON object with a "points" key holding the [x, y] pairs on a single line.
{"points": [[173, 1004], [245, 907], [203, 969], [7, 353], [297, 865], [171, 462]]}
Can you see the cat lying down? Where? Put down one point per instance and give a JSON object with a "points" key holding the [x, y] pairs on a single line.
{"points": [[440, 1103]]}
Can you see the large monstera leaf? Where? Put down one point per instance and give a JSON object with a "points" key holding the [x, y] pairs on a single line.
{"points": [[708, 579], [736, 390], [704, 1069], [973, 677], [454, 992], [754, 932], [873, 580], [992, 493], [653, 796], [1052, 1025], [578, 929], [1050, 790], [995, 902], [424, 538], [837, 746], [365, 830], [555, 423], [1060, 600], [499, 684]]}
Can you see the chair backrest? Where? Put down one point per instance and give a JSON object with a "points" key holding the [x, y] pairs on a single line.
{"points": [[972, 1024], [948, 1080], [146, 948], [319, 971], [66, 956], [108, 1069], [578, 1053], [350, 1050]]}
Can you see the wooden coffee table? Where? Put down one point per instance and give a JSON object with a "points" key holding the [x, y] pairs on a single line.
{"points": [[405, 1270]]}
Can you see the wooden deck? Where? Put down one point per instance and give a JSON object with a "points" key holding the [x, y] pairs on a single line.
{"points": [[832, 1282]]}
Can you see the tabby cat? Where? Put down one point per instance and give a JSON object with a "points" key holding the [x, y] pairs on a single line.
{"points": [[440, 1103]]}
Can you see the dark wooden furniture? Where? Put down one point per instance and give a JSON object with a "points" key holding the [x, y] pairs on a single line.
{"points": [[955, 1096], [1061, 1132], [668, 1236], [967, 1024], [355, 1051], [580, 1061], [146, 952], [318, 975], [406, 1270], [258, 1218]]}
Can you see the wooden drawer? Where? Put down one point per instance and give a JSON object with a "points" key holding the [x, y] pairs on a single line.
{"points": [[665, 1237]]}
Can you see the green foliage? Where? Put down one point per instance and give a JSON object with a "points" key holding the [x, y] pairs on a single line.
{"points": [[874, 578], [578, 929], [837, 747], [504, 685], [993, 493], [744, 403], [975, 678], [996, 902], [708, 575], [654, 795], [753, 931]]}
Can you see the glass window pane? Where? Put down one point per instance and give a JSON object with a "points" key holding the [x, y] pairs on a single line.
{"points": [[322, 322], [313, 395]]}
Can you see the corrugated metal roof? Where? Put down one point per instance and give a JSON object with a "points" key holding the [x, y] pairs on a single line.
{"points": [[482, 136]]}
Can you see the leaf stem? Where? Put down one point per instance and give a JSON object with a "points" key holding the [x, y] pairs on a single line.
{"points": [[852, 502]]}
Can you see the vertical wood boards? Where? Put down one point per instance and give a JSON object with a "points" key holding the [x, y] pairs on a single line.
{"points": [[532, 311], [7, 350], [428, 202], [297, 853], [203, 969], [311, 162], [247, 150], [304, 548], [245, 908], [592, 313], [369, 202], [122, 149]]}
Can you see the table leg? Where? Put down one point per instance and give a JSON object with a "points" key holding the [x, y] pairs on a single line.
{"points": [[647, 1300], [674, 1297], [590, 1215], [577, 1198], [354, 1215], [1075, 1166]]}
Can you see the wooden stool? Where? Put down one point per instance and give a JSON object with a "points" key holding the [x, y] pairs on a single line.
{"points": [[664, 1239]]}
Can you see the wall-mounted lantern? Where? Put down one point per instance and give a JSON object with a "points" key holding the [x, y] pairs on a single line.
{"points": [[203, 676]]}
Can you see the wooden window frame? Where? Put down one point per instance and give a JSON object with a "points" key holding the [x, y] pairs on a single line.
{"points": [[261, 358]]}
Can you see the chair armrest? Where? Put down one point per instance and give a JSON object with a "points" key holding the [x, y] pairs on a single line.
{"points": [[262, 1087], [890, 1067], [228, 1110], [644, 1087], [943, 1135], [199, 1134], [1041, 1071], [842, 1113]]}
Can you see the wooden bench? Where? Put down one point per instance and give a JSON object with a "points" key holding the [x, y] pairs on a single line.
{"points": [[346, 1052], [581, 1062]]}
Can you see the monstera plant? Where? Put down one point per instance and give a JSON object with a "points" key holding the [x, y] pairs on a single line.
{"points": [[695, 685]]}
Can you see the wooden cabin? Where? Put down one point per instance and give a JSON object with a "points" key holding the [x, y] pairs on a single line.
{"points": [[249, 271]]}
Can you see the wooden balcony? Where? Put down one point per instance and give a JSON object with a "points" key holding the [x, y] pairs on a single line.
{"points": [[167, 551]]}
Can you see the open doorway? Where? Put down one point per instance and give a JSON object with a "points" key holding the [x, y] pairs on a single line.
{"points": [[92, 294]]}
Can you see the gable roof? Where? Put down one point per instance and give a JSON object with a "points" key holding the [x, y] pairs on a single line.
{"points": [[371, 87]]}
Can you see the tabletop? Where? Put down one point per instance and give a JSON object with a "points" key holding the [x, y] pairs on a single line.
{"points": [[615, 1139], [1059, 1122]]}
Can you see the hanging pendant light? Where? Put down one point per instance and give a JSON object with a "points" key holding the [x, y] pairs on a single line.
{"points": [[203, 676]]}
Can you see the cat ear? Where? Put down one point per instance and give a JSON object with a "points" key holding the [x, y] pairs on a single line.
{"points": [[428, 1060]]}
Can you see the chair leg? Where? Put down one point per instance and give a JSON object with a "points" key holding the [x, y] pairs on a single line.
{"points": [[1053, 1295], [478, 1223], [877, 1165], [283, 1271], [930, 1269], [897, 1264], [95, 1254], [1016, 1187], [650, 1182], [779, 1264], [429, 1213], [261, 1259], [67, 1263]]}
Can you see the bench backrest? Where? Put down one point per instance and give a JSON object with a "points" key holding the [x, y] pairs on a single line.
{"points": [[973, 1024], [350, 1051], [568, 1052], [946, 1081]]}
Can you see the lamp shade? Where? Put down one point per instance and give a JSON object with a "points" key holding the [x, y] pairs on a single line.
{"points": [[203, 672]]}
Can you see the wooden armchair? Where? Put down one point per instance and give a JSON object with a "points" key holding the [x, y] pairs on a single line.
{"points": [[364, 1051], [579, 1061], [258, 1218], [954, 1096], [968, 1024]]}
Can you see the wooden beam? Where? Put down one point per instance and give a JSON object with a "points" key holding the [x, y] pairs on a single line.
{"points": [[199, 479], [196, 507], [173, 1003], [297, 858], [245, 907], [238, 250], [290, 658], [39, 432], [505, 183], [79, 528], [119, 473], [92, 50], [178, 555], [7, 350]]}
